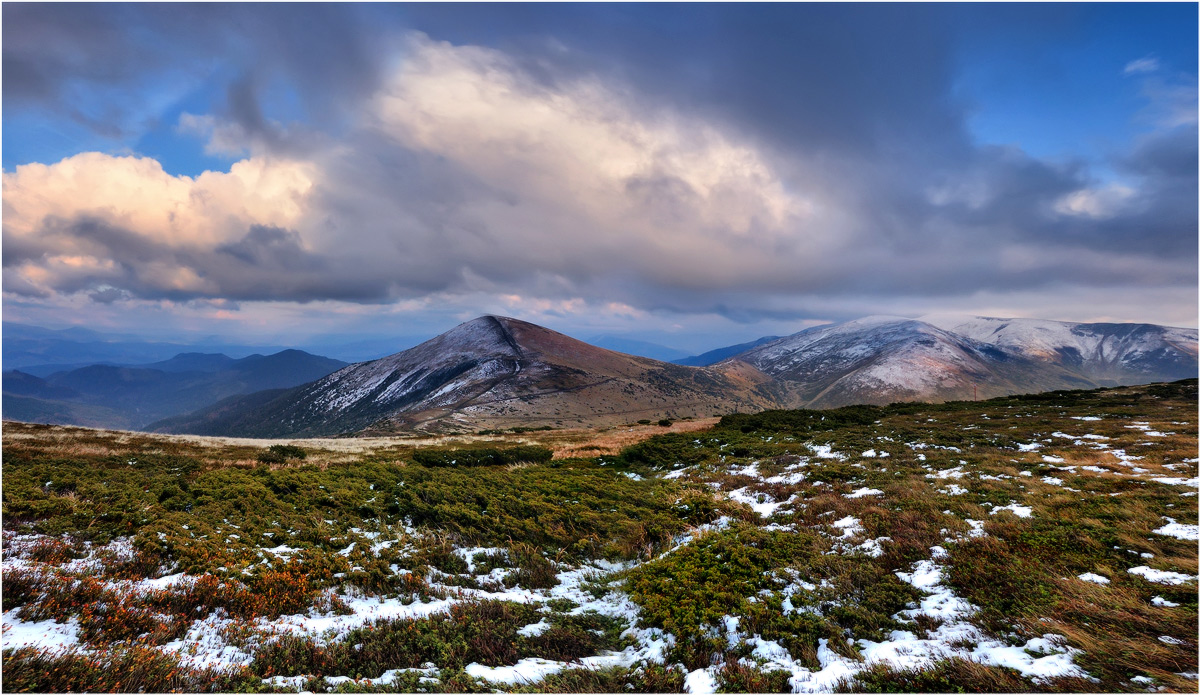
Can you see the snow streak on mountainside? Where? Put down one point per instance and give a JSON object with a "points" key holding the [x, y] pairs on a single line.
{"points": [[489, 372], [1107, 353], [883, 359], [496, 372]]}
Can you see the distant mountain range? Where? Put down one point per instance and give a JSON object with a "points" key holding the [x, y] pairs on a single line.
{"points": [[500, 372], [1109, 354], [720, 354], [44, 351], [496, 372], [133, 397], [641, 348]]}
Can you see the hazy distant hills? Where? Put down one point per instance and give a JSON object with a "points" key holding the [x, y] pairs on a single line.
{"points": [[714, 356], [490, 372], [496, 372], [132, 397], [640, 348], [44, 351]]}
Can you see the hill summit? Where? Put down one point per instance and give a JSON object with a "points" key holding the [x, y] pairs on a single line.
{"points": [[492, 371]]}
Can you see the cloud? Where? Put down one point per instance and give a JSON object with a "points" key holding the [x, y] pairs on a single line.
{"points": [[1141, 66], [117, 69], [1096, 203], [1172, 104], [472, 172], [587, 143], [102, 224]]}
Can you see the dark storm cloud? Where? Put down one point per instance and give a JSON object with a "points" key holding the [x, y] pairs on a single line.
{"points": [[850, 105], [812, 77], [79, 58]]}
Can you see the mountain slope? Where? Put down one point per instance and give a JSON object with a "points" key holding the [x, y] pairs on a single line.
{"points": [[52, 412], [882, 359], [123, 397], [489, 372], [1109, 354]]}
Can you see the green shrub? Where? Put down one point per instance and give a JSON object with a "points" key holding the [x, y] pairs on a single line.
{"points": [[281, 453], [436, 458]]}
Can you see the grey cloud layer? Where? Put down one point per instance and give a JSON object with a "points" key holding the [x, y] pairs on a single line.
{"points": [[842, 166]]}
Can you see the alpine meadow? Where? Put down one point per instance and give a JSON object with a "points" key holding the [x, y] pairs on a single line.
{"points": [[600, 348]]}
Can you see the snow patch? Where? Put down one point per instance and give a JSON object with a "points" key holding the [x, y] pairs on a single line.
{"points": [[862, 492], [1023, 512], [1186, 532], [1162, 576]]}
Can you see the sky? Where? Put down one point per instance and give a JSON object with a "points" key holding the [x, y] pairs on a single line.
{"points": [[695, 175]]}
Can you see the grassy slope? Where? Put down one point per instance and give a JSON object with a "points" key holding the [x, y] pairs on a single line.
{"points": [[86, 513]]}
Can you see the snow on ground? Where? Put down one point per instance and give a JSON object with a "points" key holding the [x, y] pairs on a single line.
{"points": [[849, 526], [873, 547], [1162, 576], [760, 502], [204, 645], [787, 478], [1039, 658], [825, 451], [44, 634], [534, 629], [750, 470], [334, 627], [701, 681], [1094, 578], [862, 492], [1023, 512], [468, 555], [1193, 482], [1186, 532], [525, 671]]}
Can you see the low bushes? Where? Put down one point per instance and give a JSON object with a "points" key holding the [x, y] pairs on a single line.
{"points": [[436, 458], [280, 453]]}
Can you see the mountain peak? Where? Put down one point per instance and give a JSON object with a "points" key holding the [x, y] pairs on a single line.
{"points": [[495, 371]]}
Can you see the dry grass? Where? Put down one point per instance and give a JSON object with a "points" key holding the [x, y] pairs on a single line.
{"points": [[241, 452]]}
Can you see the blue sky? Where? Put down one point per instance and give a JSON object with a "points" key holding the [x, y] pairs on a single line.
{"points": [[695, 175], [1056, 87]]}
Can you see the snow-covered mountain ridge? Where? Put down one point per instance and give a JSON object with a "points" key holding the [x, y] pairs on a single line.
{"points": [[500, 372], [882, 359], [1110, 353]]}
